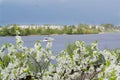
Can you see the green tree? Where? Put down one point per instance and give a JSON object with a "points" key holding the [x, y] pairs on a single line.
{"points": [[108, 27]]}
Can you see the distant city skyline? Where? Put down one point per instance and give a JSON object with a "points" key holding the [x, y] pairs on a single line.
{"points": [[59, 11]]}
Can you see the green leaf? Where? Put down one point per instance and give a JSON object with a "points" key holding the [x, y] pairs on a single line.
{"points": [[113, 75], [1, 63], [108, 63]]}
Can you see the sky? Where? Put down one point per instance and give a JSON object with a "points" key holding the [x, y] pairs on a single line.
{"points": [[59, 11]]}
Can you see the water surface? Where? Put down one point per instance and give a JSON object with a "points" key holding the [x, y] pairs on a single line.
{"points": [[106, 40]]}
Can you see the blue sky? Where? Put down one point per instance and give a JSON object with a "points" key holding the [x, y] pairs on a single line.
{"points": [[59, 11]]}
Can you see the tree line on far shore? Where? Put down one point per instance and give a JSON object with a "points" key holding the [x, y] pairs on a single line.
{"points": [[71, 29]]}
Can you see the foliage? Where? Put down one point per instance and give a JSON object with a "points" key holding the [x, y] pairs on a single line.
{"points": [[108, 27], [9, 30], [77, 62]]}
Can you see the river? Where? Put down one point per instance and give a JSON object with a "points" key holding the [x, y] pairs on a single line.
{"points": [[105, 41]]}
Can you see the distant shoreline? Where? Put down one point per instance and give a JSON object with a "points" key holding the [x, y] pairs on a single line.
{"points": [[62, 34], [73, 34]]}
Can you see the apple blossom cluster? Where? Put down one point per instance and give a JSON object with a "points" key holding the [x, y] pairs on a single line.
{"points": [[80, 62]]}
